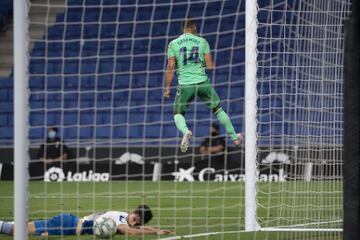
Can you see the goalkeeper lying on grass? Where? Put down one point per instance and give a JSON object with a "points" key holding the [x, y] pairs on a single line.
{"points": [[68, 224]]}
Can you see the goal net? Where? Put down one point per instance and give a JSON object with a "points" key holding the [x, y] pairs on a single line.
{"points": [[300, 115], [96, 81]]}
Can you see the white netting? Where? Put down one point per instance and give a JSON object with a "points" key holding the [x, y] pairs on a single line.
{"points": [[97, 72], [300, 113]]}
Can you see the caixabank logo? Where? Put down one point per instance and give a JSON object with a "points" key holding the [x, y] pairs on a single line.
{"points": [[56, 174], [206, 174]]}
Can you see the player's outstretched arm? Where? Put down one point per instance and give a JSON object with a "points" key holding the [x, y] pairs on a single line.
{"points": [[126, 229], [169, 75], [209, 62]]}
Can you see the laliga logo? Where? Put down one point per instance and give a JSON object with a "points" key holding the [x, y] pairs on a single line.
{"points": [[55, 174]]}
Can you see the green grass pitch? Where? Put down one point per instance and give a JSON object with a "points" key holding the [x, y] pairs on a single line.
{"points": [[188, 208]]}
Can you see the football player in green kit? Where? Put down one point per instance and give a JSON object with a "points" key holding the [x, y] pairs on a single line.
{"points": [[190, 56]]}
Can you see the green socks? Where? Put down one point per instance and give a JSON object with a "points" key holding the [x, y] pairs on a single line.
{"points": [[180, 123], [220, 114], [226, 122]]}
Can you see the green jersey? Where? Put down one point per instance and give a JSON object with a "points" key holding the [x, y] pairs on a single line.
{"points": [[189, 51]]}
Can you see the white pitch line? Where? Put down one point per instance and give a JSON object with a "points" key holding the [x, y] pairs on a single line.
{"points": [[302, 225], [200, 235], [274, 229]]}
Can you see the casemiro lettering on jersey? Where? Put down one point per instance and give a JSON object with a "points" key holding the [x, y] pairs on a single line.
{"points": [[181, 41]]}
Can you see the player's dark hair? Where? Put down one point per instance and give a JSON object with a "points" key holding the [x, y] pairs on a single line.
{"points": [[144, 213], [188, 23]]}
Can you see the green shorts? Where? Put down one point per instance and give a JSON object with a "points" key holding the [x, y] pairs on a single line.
{"points": [[185, 94]]}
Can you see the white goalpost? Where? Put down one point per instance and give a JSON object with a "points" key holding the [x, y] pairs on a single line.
{"points": [[21, 157], [251, 223], [92, 71]]}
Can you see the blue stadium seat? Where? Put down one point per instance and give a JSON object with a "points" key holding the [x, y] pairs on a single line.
{"points": [[73, 31], [90, 48], [37, 119], [37, 66], [110, 2], [90, 30], [74, 14], [54, 66], [6, 107], [53, 104], [127, 14], [142, 29], [143, 14], [152, 131], [4, 120], [4, 95], [122, 81], [153, 116], [70, 118], [124, 30], [124, 47], [156, 94], [57, 31], [213, 8], [170, 130], [72, 49], [140, 46], [136, 117], [161, 12], [107, 31], [87, 117], [107, 47], [88, 65], [39, 49], [86, 132], [138, 95], [158, 46], [37, 133], [86, 104], [70, 96], [106, 65], [155, 80], [6, 82], [102, 57], [140, 64], [179, 12], [119, 131], [71, 83], [54, 49], [91, 14], [122, 64]]}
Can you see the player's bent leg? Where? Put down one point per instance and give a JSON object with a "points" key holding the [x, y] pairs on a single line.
{"points": [[187, 134], [180, 122], [6, 228], [184, 96], [226, 122], [62, 224], [185, 141], [31, 228]]}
